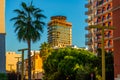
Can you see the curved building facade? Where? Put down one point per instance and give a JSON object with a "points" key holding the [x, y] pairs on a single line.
{"points": [[59, 32]]}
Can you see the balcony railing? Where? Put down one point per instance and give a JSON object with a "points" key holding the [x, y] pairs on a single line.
{"points": [[88, 35], [87, 28], [97, 40], [108, 37], [88, 42], [104, 3], [104, 12], [111, 46], [90, 49], [88, 12], [88, 5], [105, 20]]}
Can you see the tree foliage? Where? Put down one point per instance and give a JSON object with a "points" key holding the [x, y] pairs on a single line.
{"points": [[69, 64], [45, 50]]}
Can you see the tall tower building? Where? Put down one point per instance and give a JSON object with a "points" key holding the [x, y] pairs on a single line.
{"points": [[59, 32], [99, 13], [2, 36]]}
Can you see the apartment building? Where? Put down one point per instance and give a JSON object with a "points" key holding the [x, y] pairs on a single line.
{"points": [[105, 13], [116, 24], [99, 13], [2, 36], [59, 32]]}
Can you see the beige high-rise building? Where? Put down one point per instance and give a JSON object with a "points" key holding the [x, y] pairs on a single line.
{"points": [[59, 32], [11, 61], [2, 36]]}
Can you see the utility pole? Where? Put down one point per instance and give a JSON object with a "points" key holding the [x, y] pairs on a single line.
{"points": [[18, 59], [34, 66], [103, 51], [22, 73]]}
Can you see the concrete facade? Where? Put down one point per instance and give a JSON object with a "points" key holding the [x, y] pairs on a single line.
{"points": [[2, 36]]}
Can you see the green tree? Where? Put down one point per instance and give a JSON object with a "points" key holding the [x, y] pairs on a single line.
{"points": [[45, 50], [69, 64], [109, 64], [28, 26]]}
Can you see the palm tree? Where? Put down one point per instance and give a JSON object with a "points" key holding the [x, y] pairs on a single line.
{"points": [[45, 51], [28, 26]]}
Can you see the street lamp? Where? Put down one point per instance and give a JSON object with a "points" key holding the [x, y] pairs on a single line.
{"points": [[103, 51], [22, 73]]}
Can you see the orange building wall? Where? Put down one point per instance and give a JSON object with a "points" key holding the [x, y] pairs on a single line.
{"points": [[11, 59], [2, 16]]}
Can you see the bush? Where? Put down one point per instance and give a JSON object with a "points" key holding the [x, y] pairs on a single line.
{"points": [[3, 76]]}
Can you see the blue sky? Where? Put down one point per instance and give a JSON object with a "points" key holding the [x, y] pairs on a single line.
{"points": [[74, 10]]}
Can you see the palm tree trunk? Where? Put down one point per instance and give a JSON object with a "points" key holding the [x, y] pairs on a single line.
{"points": [[29, 59]]}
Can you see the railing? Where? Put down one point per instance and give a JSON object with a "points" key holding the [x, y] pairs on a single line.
{"points": [[88, 42], [87, 28], [88, 35], [104, 12], [104, 3], [88, 5], [111, 46], [88, 12], [88, 20]]}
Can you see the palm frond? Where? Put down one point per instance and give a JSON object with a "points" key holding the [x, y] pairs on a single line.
{"points": [[24, 6], [39, 16], [15, 18]]}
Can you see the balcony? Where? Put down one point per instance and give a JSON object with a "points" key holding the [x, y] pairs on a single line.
{"points": [[97, 40], [88, 5], [90, 49], [104, 12], [87, 28], [108, 37], [109, 47], [88, 42], [88, 35], [88, 12], [104, 3], [88, 20]]}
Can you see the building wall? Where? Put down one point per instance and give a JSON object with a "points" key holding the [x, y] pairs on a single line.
{"points": [[114, 39], [59, 32], [2, 16], [101, 13], [2, 36], [11, 61], [36, 64], [2, 53], [116, 23]]}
